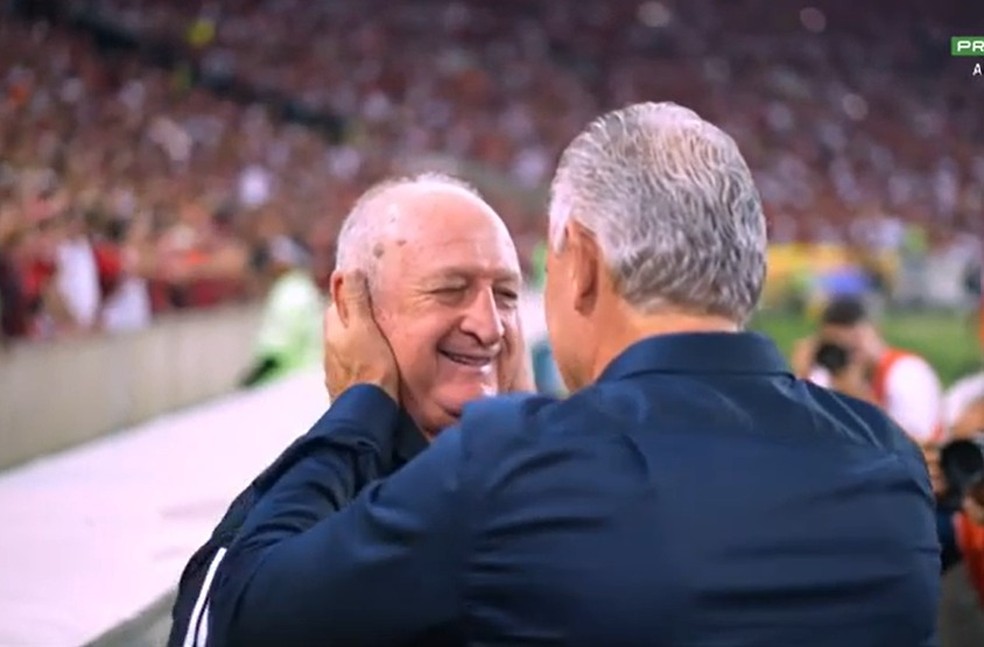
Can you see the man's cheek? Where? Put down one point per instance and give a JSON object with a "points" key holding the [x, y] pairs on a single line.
{"points": [[405, 352], [511, 327], [511, 345]]}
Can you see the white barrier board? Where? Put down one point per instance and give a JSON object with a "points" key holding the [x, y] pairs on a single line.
{"points": [[94, 536]]}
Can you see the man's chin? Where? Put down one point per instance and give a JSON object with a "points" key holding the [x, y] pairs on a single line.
{"points": [[454, 405]]}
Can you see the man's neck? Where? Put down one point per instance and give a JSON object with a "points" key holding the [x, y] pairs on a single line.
{"points": [[625, 331]]}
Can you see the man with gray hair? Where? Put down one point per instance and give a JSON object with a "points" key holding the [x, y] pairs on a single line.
{"points": [[689, 491]]}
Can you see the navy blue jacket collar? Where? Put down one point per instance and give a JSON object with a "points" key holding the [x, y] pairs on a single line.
{"points": [[710, 353], [367, 408]]}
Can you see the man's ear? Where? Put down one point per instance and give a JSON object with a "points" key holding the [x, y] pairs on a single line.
{"points": [[585, 266], [335, 293]]}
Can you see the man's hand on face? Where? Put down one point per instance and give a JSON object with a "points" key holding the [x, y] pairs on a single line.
{"points": [[802, 356], [853, 380], [524, 382], [355, 350], [517, 375]]}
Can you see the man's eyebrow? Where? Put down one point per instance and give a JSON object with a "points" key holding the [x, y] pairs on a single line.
{"points": [[468, 272]]}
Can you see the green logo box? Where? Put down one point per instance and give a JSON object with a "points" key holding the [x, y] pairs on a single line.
{"points": [[967, 46]]}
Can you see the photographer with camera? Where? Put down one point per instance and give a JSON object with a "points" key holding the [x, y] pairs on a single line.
{"points": [[849, 355], [957, 473]]}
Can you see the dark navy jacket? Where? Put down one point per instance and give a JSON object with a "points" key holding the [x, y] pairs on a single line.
{"points": [[190, 610], [697, 494]]}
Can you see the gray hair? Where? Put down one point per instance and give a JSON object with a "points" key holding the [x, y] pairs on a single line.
{"points": [[673, 207], [360, 238]]}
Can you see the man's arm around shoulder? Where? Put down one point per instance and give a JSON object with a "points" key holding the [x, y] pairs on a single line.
{"points": [[337, 438], [381, 570]]}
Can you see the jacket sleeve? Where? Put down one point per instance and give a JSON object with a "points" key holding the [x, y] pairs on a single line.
{"points": [[381, 570]]}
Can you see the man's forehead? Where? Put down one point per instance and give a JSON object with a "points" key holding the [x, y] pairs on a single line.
{"points": [[433, 207], [409, 194], [438, 217], [456, 260]]}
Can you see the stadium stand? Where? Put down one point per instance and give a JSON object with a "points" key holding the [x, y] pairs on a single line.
{"points": [[170, 138]]}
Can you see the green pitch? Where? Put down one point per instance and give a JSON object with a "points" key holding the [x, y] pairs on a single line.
{"points": [[948, 341]]}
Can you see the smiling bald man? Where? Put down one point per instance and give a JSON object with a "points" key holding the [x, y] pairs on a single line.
{"points": [[445, 278]]}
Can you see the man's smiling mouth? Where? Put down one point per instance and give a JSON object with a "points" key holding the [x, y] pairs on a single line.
{"points": [[477, 361]]}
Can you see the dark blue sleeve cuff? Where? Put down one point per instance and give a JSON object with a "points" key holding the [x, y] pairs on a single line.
{"points": [[364, 411]]}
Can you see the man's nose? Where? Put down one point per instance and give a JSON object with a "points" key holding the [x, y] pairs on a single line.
{"points": [[483, 319]]}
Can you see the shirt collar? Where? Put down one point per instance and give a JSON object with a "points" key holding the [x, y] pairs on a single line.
{"points": [[705, 352]]}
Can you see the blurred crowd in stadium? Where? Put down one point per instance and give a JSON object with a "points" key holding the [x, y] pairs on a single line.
{"points": [[156, 155], [149, 149]]}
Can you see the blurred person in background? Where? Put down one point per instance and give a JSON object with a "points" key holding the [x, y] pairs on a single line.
{"points": [[960, 396], [968, 508], [849, 355], [77, 275], [124, 261], [61, 276], [39, 266], [967, 389], [13, 301], [200, 259], [974, 285], [290, 328], [960, 524]]}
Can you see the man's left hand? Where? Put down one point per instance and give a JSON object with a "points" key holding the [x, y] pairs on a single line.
{"points": [[852, 381], [802, 358], [518, 373], [356, 352]]}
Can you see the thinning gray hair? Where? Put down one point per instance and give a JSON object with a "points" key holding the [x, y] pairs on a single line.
{"points": [[673, 207], [360, 238]]}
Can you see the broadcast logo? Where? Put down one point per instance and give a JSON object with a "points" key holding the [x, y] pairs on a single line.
{"points": [[968, 46]]}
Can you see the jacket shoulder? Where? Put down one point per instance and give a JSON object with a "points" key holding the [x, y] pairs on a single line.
{"points": [[499, 410], [500, 420], [862, 416]]}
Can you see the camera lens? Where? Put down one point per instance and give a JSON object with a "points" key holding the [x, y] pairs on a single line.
{"points": [[832, 357]]}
